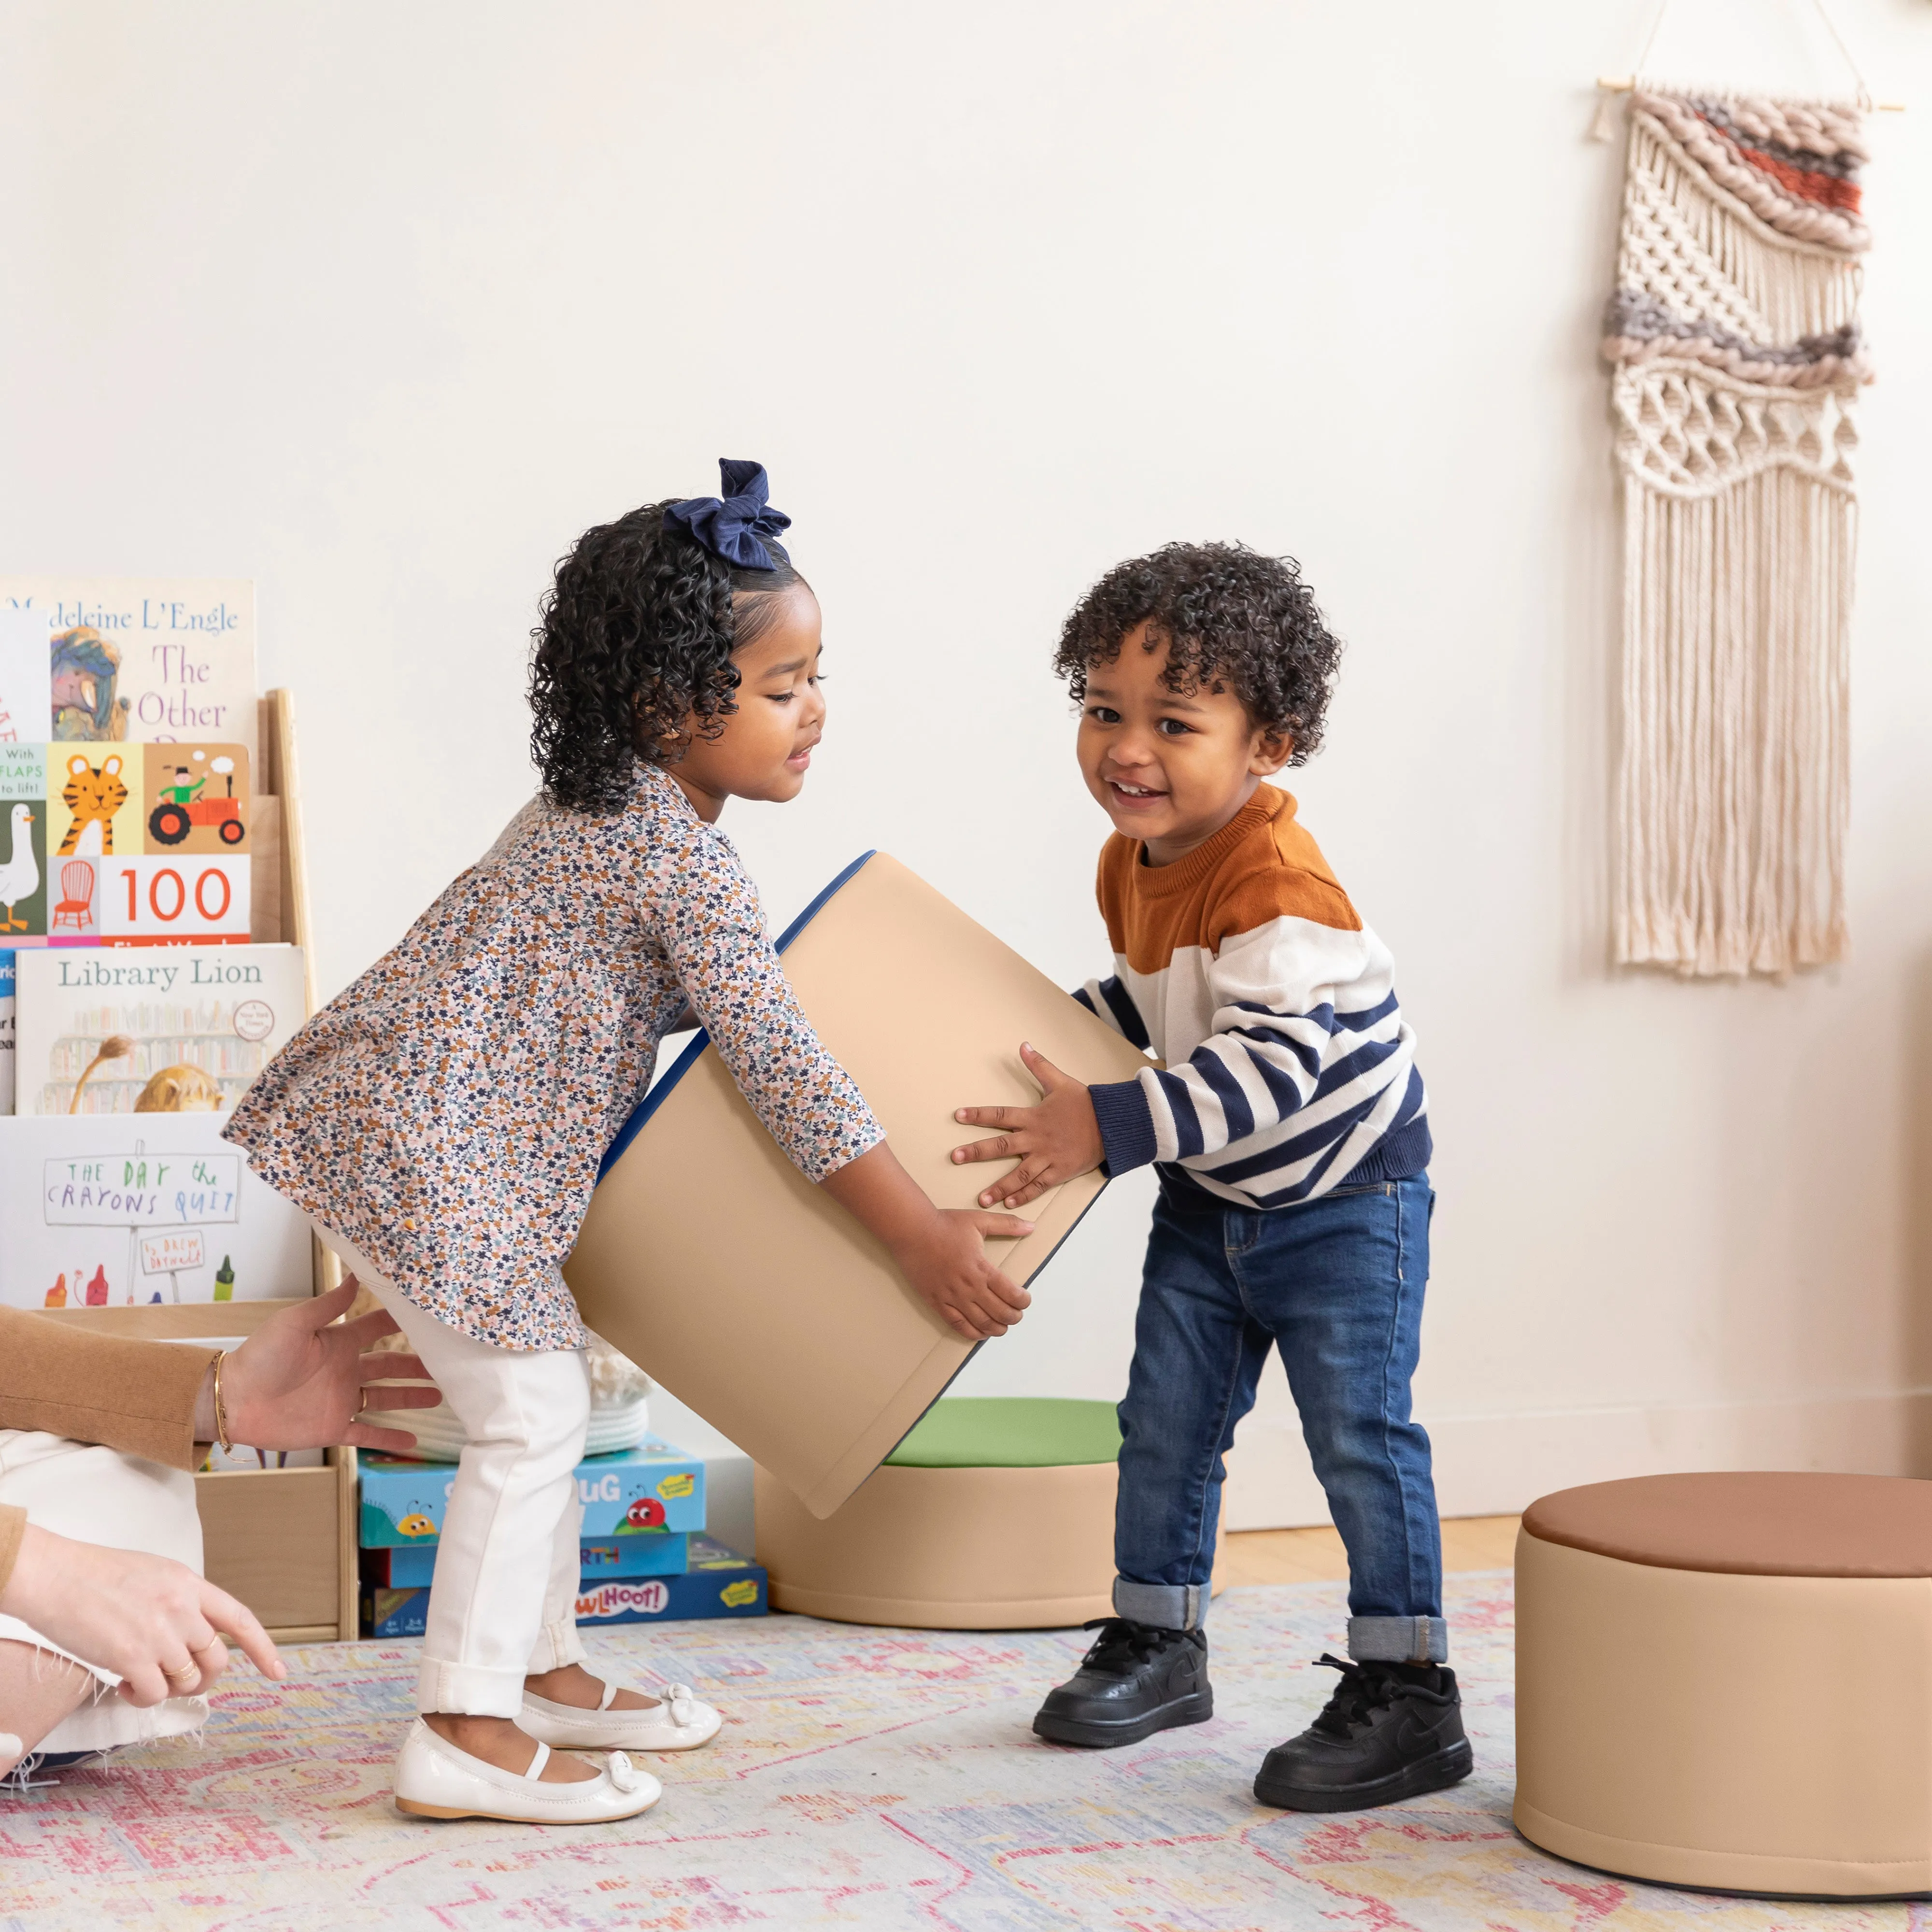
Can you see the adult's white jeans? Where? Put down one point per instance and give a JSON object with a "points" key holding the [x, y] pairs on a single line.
{"points": [[503, 1602], [98, 1495]]}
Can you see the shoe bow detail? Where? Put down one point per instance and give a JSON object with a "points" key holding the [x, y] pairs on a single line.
{"points": [[681, 1701], [623, 1773]]}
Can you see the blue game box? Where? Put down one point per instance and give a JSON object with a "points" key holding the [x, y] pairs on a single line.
{"points": [[663, 1552], [636, 1491], [719, 1583]]}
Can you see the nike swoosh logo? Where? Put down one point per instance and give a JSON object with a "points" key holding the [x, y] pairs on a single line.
{"points": [[1414, 1739]]}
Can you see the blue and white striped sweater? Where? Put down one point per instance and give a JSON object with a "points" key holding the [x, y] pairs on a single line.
{"points": [[1291, 1069]]}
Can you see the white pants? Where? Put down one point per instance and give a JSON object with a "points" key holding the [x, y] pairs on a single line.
{"points": [[503, 1603], [97, 1494]]}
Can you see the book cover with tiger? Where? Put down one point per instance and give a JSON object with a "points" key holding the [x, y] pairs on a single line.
{"points": [[125, 844]]}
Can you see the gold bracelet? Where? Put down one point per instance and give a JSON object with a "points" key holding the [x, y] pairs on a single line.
{"points": [[221, 1414]]}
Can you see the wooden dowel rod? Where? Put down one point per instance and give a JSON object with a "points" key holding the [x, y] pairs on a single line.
{"points": [[1625, 83]]}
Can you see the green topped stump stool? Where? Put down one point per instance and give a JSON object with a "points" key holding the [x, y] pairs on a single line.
{"points": [[995, 1513]]}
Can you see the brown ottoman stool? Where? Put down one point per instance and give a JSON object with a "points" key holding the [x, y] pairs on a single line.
{"points": [[1725, 1681]]}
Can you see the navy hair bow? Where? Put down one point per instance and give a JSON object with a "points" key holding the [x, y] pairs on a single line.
{"points": [[741, 528]]}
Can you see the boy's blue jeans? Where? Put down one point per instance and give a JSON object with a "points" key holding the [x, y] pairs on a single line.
{"points": [[1336, 1283]]}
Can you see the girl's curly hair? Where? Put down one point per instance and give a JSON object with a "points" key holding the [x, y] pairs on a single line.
{"points": [[1224, 612], [635, 646]]}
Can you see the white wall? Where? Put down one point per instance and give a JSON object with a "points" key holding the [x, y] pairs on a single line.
{"points": [[383, 305]]}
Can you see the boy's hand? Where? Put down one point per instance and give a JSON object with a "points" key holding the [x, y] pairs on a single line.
{"points": [[1055, 1140], [946, 1261]]}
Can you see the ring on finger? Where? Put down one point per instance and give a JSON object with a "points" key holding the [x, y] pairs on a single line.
{"points": [[190, 1673]]}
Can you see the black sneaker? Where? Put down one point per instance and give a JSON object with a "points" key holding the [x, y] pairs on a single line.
{"points": [[1391, 1731], [1136, 1680]]}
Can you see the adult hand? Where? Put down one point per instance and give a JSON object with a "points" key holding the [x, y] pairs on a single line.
{"points": [[150, 1620], [298, 1383], [947, 1262], [1056, 1141]]}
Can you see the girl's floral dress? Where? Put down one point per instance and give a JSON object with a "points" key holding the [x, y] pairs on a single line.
{"points": [[446, 1114]]}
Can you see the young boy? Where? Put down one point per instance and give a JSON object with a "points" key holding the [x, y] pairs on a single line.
{"points": [[1291, 1136]]}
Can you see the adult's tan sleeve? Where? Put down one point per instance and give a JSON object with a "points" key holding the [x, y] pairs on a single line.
{"points": [[136, 1396], [13, 1527]]}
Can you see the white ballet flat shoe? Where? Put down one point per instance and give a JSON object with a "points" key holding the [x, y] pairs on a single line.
{"points": [[435, 1780], [676, 1722]]}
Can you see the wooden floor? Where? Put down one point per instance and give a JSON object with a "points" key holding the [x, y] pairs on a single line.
{"points": [[1315, 1556]]}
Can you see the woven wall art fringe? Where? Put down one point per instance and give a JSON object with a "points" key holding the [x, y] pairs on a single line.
{"points": [[1733, 335]]}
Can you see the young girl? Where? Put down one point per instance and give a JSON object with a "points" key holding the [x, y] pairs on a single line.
{"points": [[441, 1122]]}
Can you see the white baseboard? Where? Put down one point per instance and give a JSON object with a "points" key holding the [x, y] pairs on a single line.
{"points": [[1497, 1465]]}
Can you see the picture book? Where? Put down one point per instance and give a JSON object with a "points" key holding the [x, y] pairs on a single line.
{"points": [[128, 844], [168, 1030], [151, 658], [98, 1212], [6, 1031], [23, 844], [26, 710]]}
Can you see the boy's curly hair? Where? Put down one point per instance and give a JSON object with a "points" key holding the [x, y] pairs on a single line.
{"points": [[1225, 613], [636, 644]]}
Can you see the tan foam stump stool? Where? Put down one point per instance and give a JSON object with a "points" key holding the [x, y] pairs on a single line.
{"points": [[749, 1294], [1725, 1681], [995, 1513]]}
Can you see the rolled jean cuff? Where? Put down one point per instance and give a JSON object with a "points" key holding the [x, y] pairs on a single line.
{"points": [[1396, 1639], [1168, 1606], [558, 1644], [469, 1690]]}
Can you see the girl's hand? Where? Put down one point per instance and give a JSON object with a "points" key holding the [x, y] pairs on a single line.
{"points": [[1056, 1141], [940, 1251], [948, 1263], [152, 1620], [299, 1383]]}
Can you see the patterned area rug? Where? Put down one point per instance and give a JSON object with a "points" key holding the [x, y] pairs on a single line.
{"points": [[866, 1777]]}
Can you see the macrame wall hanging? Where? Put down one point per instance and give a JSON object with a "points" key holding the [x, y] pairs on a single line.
{"points": [[1733, 337]]}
